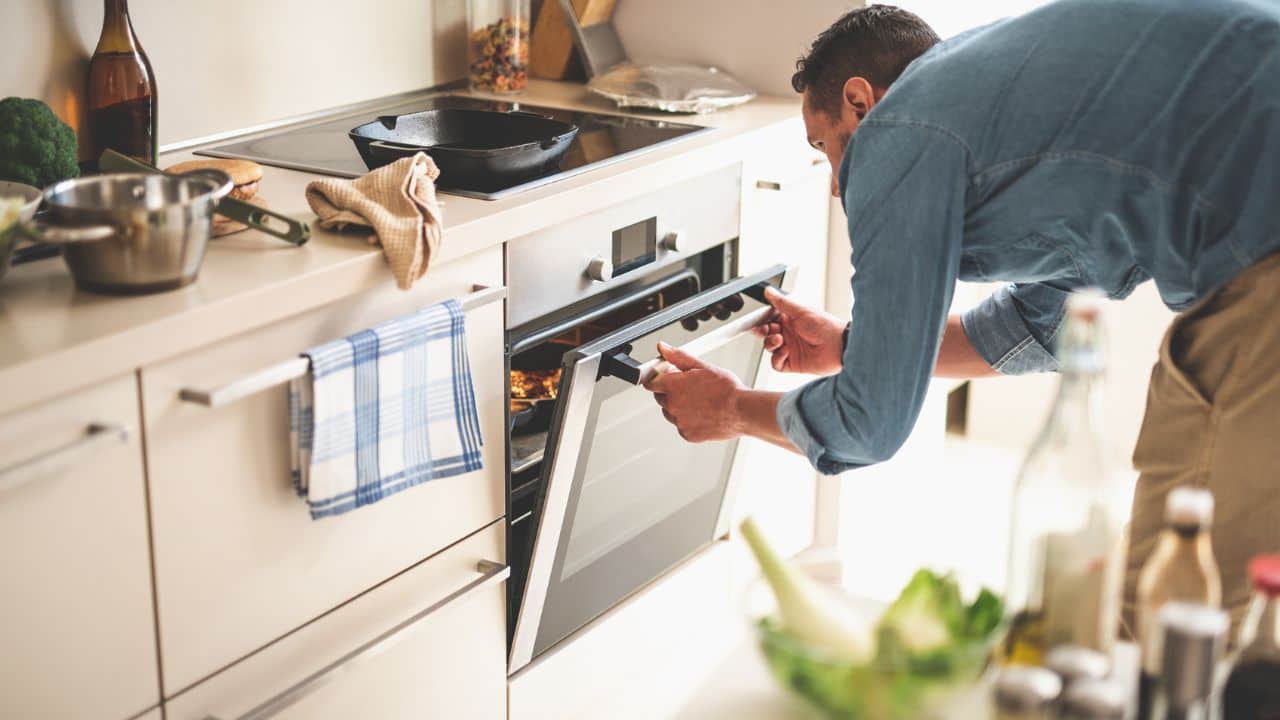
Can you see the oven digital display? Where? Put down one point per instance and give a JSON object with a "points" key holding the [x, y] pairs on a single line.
{"points": [[635, 245]]}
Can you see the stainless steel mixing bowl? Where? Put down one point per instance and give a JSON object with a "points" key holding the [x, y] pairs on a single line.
{"points": [[133, 233]]}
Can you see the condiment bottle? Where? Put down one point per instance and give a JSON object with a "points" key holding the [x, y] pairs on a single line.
{"points": [[1094, 699], [1181, 569], [1065, 564], [1026, 693], [1253, 687], [1075, 664], [1193, 639], [122, 90]]}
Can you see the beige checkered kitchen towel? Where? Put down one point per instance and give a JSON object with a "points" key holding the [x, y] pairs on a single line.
{"points": [[398, 202]]}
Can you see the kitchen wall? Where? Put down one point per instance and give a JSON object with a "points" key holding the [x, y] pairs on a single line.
{"points": [[227, 64], [758, 41]]}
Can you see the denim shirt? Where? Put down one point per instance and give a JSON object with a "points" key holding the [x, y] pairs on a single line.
{"points": [[1095, 143]]}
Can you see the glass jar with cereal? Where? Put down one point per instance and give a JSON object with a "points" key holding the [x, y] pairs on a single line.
{"points": [[498, 45]]}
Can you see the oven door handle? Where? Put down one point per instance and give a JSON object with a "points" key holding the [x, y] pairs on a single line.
{"points": [[622, 366]]}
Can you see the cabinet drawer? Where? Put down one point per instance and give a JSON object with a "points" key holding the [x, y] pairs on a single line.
{"points": [[239, 561], [442, 655], [76, 621]]}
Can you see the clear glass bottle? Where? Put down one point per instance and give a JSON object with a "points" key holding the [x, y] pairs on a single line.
{"points": [[1193, 638], [1065, 547], [122, 90], [1182, 569], [1253, 687], [498, 45]]}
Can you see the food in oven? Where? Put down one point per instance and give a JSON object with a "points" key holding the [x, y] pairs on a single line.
{"points": [[535, 384]]}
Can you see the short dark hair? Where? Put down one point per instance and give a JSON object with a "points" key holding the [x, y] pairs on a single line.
{"points": [[876, 42]]}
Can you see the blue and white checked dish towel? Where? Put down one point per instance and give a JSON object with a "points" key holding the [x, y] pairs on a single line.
{"points": [[383, 410]]}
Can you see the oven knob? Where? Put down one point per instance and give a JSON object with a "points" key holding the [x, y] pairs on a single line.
{"points": [[674, 241], [599, 269]]}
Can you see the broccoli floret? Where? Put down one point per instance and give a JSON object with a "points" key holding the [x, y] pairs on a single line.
{"points": [[36, 147]]}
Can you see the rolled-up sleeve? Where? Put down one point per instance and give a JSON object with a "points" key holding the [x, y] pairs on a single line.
{"points": [[904, 193], [1014, 329]]}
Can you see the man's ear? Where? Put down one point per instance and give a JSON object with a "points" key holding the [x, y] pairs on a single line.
{"points": [[858, 96]]}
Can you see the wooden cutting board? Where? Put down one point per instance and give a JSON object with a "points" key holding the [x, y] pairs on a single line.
{"points": [[551, 44]]}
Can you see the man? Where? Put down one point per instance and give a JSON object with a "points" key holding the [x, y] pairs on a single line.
{"points": [[1093, 143]]}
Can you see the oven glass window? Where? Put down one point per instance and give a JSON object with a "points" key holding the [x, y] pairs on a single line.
{"points": [[642, 499], [641, 471]]}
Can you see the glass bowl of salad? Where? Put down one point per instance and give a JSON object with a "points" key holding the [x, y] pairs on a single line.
{"points": [[922, 656], [18, 205]]}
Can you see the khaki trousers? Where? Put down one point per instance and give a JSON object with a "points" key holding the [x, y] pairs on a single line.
{"points": [[1213, 421]]}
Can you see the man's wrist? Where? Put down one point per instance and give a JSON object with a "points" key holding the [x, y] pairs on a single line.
{"points": [[738, 401]]}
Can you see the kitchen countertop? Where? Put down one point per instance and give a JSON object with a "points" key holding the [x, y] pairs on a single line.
{"points": [[55, 339], [742, 687]]}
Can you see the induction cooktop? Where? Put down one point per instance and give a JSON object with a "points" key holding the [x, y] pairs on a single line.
{"points": [[325, 148]]}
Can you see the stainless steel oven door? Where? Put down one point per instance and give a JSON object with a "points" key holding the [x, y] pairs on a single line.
{"points": [[625, 497]]}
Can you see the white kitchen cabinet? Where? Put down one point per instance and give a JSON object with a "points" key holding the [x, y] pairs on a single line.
{"points": [[238, 560], [786, 190], [76, 621], [440, 652]]}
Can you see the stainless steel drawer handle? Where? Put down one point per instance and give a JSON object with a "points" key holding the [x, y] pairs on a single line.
{"points": [[297, 367], [491, 573], [779, 185], [95, 435]]}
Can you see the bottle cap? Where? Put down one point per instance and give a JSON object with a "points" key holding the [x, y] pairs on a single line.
{"points": [[1021, 689], [1194, 637], [1189, 507], [1265, 573], [1074, 663], [1080, 342], [1095, 700], [1086, 302]]}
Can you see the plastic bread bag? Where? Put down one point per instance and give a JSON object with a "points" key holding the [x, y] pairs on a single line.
{"points": [[671, 88]]}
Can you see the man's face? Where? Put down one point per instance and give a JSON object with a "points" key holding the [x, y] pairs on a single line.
{"points": [[830, 133]]}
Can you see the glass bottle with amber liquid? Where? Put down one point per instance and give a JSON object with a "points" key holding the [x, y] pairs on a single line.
{"points": [[1182, 569], [1066, 544], [122, 90]]}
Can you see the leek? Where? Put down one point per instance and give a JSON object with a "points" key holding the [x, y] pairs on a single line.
{"points": [[808, 611]]}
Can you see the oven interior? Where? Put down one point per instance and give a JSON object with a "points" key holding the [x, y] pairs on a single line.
{"points": [[535, 361]]}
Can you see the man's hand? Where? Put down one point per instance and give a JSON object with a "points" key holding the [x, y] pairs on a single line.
{"points": [[699, 399], [801, 339]]}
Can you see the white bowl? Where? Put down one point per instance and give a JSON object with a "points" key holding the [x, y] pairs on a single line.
{"points": [[31, 194]]}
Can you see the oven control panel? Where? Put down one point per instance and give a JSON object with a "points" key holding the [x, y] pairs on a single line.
{"points": [[559, 266]]}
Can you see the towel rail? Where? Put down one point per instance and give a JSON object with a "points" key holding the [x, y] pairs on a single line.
{"points": [[297, 367], [491, 573]]}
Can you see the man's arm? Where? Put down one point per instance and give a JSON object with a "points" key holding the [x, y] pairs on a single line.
{"points": [[758, 413], [904, 193], [957, 357]]}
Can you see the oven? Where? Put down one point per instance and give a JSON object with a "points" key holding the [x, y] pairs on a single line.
{"points": [[603, 494]]}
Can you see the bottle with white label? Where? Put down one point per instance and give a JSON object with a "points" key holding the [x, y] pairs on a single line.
{"points": [[1065, 553], [1181, 569]]}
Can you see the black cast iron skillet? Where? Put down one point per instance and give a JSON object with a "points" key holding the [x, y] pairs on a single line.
{"points": [[474, 149]]}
